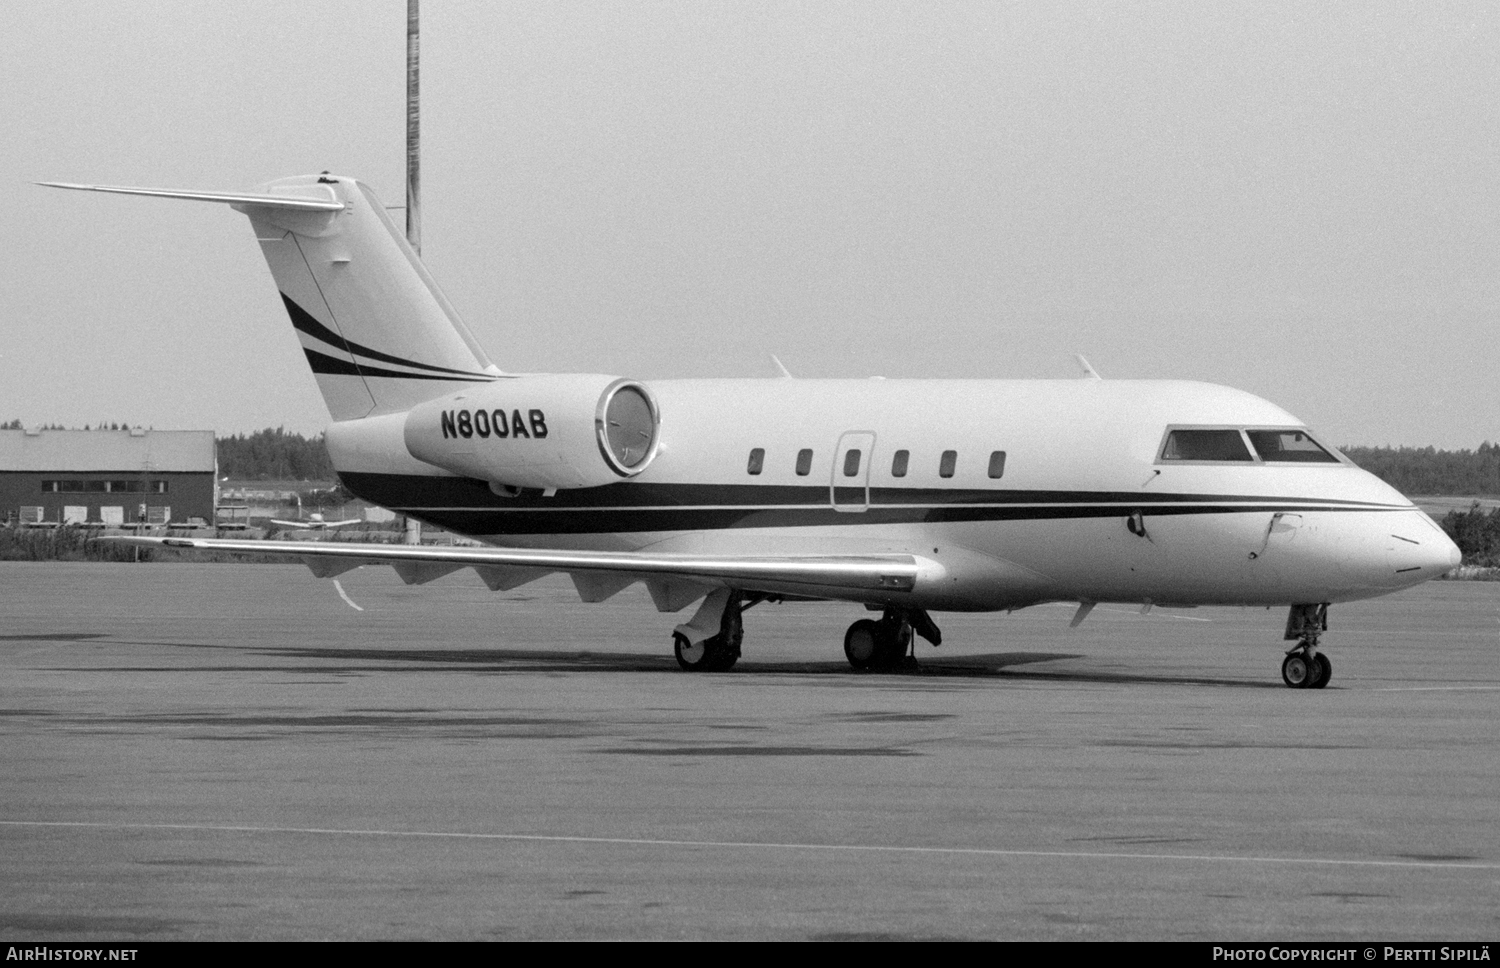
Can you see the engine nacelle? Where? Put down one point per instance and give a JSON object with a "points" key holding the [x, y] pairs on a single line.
{"points": [[547, 431]]}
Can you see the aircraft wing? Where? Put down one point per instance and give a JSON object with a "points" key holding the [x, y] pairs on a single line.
{"points": [[674, 580]]}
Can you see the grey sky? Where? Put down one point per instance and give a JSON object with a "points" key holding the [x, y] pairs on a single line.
{"points": [[1298, 199]]}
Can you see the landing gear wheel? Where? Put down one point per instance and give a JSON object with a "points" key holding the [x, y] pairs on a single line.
{"points": [[716, 654], [877, 645], [710, 655], [725, 646], [895, 641], [691, 656], [1323, 671], [1304, 666], [862, 643], [1295, 670]]}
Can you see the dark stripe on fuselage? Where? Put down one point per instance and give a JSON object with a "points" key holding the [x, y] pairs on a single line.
{"points": [[304, 321], [323, 363], [468, 506]]}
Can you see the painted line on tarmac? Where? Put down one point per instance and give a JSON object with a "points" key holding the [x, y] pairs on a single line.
{"points": [[755, 845], [1436, 689], [345, 596]]}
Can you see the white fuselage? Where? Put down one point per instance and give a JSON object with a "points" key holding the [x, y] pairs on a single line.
{"points": [[1084, 509]]}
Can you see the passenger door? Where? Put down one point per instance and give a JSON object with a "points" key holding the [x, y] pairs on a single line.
{"points": [[849, 490]]}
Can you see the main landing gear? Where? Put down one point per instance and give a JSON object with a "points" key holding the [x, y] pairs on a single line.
{"points": [[699, 652], [710, 641], [886, 644], [1304, 666]]}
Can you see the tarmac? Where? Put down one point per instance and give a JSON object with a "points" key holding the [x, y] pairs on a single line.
{"points": [[222, 751]]}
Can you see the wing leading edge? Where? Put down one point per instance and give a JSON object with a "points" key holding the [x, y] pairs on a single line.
{"points": [[674, 580]]}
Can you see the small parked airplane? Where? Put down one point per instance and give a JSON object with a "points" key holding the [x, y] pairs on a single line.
{"points": [[314, 522], [904, 496]]}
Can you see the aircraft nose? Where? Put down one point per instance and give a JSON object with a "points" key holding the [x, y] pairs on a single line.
{"points": [[1421, 550], [1452, 555]]}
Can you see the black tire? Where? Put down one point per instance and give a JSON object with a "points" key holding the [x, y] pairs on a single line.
{"points": [[1323, 671], [710, 655], [726, 645], [895, 643], [722, 656], [692, 658], [1295, 671], [862, 644], [717, 654]]}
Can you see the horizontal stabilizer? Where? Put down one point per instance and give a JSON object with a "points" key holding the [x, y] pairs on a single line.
{"points": [[377, 332], [292, 203]]}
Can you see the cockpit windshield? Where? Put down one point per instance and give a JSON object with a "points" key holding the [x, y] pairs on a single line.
{"points": [[1243, 445], [1289, 446], [1215, 445]]}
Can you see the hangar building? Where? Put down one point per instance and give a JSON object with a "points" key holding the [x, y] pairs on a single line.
{"points": [[107, 477]]}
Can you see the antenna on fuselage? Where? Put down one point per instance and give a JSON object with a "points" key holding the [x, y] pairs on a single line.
{"points": [[1089, 373]]}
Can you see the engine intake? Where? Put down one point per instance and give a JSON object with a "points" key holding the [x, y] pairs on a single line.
{"points": [[547, 431]]}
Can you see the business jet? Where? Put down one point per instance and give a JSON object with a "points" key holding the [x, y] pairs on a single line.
{"points": [[906, 497]]}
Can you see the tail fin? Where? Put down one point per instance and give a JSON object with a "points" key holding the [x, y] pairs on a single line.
{"points": [[377, 332]]}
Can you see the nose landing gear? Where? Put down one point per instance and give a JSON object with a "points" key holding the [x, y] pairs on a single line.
{"points": [[1304, 666]]}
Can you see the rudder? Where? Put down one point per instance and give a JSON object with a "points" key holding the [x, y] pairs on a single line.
{"points": [[376, 330]]}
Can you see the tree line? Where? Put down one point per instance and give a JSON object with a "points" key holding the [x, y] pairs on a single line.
{"points": [[1427, 470], [274, 455]]}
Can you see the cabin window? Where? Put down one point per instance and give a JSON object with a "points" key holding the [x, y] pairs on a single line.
{"points": [[898, 463], [1289, 446], [757, 460], [804, 462], [851, 463], [1206, 445], [948, 463], [997, 464]]}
